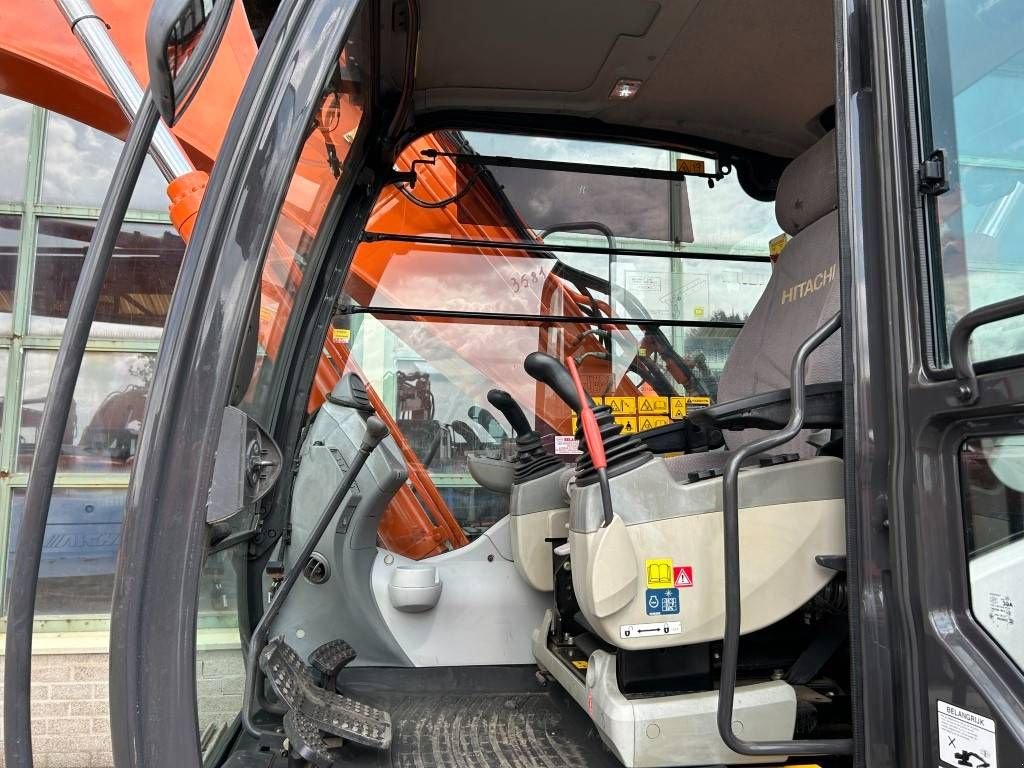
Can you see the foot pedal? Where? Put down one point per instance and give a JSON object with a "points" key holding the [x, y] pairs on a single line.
{"points": [[307, 741], [329, 658], [325, 711]]}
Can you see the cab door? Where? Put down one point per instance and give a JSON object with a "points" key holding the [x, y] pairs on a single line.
{"points": [[935, 211], [282, 202]]}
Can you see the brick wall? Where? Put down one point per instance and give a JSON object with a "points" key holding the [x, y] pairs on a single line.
{"points": [[70, 710]]}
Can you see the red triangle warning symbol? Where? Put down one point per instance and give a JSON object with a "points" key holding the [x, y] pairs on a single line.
{"points": [[682, 576]]}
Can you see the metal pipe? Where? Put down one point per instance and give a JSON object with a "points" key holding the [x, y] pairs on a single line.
{"points": [[91, 32]]}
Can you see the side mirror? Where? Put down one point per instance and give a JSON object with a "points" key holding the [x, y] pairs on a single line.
{"points": [[181, 38]]}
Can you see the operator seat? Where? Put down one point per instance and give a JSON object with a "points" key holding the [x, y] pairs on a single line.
{"points": [[653, 576], [801, 294]]}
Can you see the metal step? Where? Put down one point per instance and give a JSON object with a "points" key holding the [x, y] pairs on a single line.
{"points": [[324, 711]]}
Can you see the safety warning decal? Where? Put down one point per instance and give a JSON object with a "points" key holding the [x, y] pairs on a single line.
{"points": [[680, 405], [627, 631], [621, 406], [341, 335], [659, 573], [628, 424], [966, 739], [682, 576], [567, 445], [650, 422], [651, 405], [662, 602]]}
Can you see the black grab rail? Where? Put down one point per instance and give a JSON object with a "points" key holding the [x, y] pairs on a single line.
{"points": [[731, 532], [960, 337]]}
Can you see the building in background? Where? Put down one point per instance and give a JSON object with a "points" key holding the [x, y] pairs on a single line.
{"points": [[54, 177]]}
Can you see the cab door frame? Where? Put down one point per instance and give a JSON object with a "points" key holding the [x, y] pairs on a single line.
{"points": [[164, 538], [915, 640]]}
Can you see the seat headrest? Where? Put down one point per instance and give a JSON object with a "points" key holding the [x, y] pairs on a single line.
{"points": [[808, 188]]}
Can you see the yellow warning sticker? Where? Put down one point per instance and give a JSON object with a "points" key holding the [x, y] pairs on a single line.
{"points": [[689, 165], [777, 243], [629, 426], [680, 405], [340, 335], [659, 573], [651, 405], [580, 664], [651, 422], [621, 406]]}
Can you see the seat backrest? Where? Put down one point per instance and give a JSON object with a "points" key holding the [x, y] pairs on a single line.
{"points": [[802, 293]]}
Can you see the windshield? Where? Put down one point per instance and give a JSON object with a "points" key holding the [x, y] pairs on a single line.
{"points": [[466, 272]]}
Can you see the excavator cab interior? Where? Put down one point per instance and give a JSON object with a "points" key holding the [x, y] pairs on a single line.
{"points": [[570, 363], [607, 594]]}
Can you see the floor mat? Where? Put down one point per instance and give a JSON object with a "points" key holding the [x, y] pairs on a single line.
{"points": [[436, 726]]}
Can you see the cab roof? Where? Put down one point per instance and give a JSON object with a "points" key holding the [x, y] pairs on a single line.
{"points": [[753, 74]]}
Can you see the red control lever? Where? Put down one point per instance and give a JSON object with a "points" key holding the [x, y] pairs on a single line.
{"points": [[595, 445], [591, 431]]}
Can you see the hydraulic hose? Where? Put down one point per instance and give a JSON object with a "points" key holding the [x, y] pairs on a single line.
{"points": [[29, 551]]}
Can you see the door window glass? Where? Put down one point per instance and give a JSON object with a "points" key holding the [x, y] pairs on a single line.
{"points": [[76, 574], [992, 475], [975, 65], [136, 291], [14, 121], [102, 433], [431, 325], [220, 666], [298, 231], [10, 234], [77, 168]]}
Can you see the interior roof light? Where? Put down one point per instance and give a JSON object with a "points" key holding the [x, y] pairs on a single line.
{"points": [[624, 89]]}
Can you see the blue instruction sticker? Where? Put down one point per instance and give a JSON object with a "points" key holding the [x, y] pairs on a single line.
{"points": [[662, 602]]}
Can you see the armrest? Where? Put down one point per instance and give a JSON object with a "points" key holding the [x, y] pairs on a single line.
{"points": [[682, 437], [771, 410]]}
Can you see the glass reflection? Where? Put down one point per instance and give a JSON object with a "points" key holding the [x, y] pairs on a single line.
{"points": [[78, 164], [10, 234], [103, 427], [136, 291], [15, 117], [976, 93], [83, 531]]}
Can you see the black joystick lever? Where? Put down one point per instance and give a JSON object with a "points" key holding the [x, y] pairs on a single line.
{"points": [[510, 409], [624, 452], [532, 461], [549, 370]]}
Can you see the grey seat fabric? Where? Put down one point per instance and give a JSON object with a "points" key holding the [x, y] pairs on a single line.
{"points": [[802, 293]]}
